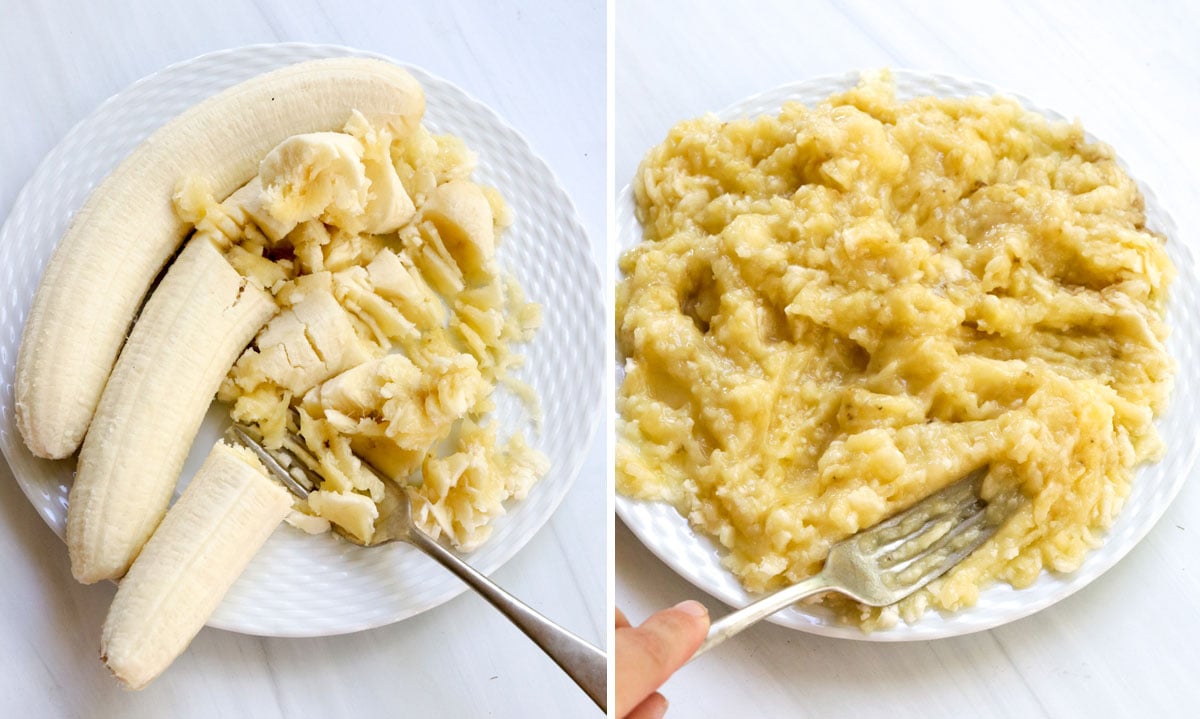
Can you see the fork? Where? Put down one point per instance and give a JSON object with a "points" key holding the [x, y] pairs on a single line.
{"points": [[889, 561], [293, 466]]}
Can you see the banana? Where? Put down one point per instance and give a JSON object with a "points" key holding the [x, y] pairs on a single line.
{"points": [[397, 280], [190, 332], [463, 218], [319, 175], [390, 206], [355, 513], [305, 344], [391, 397], [127, 230], [203, 544]]}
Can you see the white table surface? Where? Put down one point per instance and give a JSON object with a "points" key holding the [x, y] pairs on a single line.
{"points": [[539, 65], [1127, 645]]}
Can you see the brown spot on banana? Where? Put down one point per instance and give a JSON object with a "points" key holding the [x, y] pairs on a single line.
{"points": [[127, 230]]}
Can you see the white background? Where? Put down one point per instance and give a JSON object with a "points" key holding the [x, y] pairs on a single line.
{"points": [[1129, 644], [541, 66]]}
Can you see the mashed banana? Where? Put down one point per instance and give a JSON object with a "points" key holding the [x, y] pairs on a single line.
{"points": [[396, 325], [837, 311]]}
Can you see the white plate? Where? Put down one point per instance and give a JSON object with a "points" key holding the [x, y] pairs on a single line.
{"points": [[309, 586], [697, 558]]}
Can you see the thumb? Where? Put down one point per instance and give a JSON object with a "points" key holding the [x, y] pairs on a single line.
{"points": [[647, 655]]}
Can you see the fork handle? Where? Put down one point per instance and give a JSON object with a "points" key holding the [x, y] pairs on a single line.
{"points": [[586, 664], [732, 623]]}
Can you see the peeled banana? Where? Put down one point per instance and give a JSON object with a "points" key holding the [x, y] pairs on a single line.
{"points": [[128, 229], [192, 329], [203, 544]]}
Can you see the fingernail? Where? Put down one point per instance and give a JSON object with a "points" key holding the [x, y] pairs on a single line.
{"points": [[692, 607]]}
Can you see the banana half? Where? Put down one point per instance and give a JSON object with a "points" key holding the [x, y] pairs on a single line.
{"points": [[206, 540], [195, 325]]}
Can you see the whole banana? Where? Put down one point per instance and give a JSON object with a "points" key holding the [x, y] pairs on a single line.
{"points": [[127, 230], [194, 326], [205, 541]]}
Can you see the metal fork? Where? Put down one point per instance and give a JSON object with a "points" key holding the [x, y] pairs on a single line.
{"points": [[294, 467], [888, 562]]}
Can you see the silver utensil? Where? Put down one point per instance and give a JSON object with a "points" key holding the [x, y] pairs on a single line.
{"points": [[886, 563], [294, 467]]}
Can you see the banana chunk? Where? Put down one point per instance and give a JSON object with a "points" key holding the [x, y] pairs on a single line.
{"points": [[306, 344], [345, 179], [398, 280], [318, 176], [252, 202], [203, 544], [389, 412], [355, 513], [391, 397], [389, 206], [463, 217]]}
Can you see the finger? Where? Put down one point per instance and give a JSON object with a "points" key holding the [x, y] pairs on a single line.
{"points": [[621, 620], [648, 654], [653, 707]]}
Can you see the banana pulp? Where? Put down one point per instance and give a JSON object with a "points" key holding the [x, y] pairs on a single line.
{"points": [[395, 323]]}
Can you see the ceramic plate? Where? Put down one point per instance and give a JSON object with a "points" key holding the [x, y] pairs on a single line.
{"points": [[301, 585], [697, 558]]}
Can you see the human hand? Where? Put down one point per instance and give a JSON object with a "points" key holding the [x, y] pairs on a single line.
{"points": [[649, 654]]}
